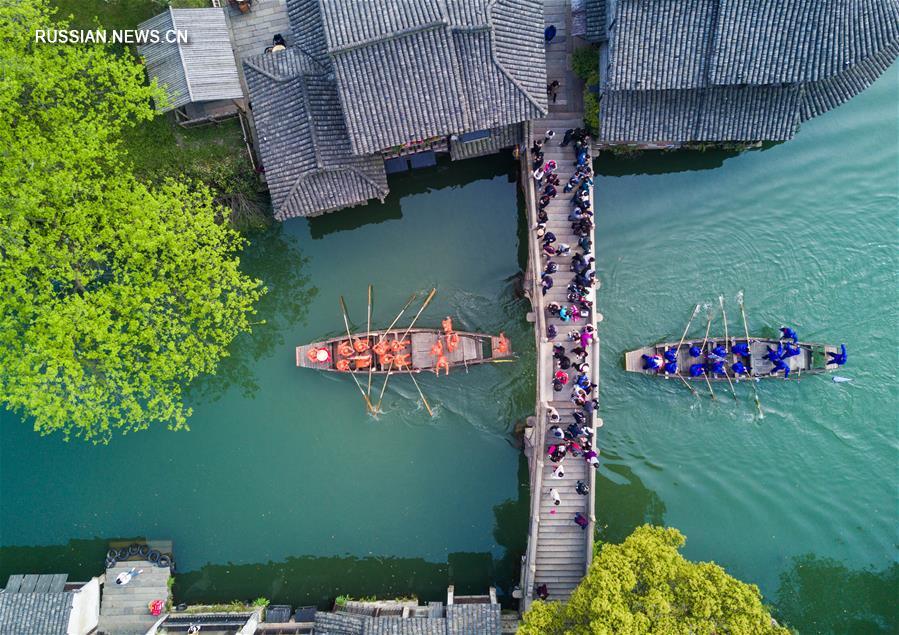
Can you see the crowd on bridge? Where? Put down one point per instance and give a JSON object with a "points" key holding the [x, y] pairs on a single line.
{"points": [[572, 375]]}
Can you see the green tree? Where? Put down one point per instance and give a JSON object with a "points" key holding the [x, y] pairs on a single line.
{"points": [[113, 294], [644, 585]]}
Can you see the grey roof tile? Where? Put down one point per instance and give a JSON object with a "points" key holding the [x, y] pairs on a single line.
{"points": [[596, 21], [303, 141], [467, 619], [412, 70], [203, 68], [35, 613], [500, 138], [733, 70]]}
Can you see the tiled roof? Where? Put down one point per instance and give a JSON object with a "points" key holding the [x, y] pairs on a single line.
{"points": [[461, 619], [337, 624], [819, 97], [732, 70], [201, 69], [773, 41], [710, 114], [35, 613], [661, 44], [307, 28], [464, 619], [499, 138], [405, 626], [596, 21], [303, 141], [411, 70]]}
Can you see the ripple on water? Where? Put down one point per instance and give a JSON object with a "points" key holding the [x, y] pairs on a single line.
{"points": [[808, 229]]}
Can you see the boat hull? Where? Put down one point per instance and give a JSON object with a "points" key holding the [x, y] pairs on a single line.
{"points": [[473, 349], [812, 359]]}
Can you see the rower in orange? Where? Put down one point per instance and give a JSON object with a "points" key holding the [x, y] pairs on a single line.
{"points": [[360, 345], [402, 360], [362, 361], [447, 325], [397, 345], [437, 349], [452, 341], [342, 365], [318, 355], [344, 349], [441, 363], [502, 346], [381, 347], [386, 359]]}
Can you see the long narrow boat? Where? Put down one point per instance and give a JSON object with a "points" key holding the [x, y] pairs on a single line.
{"points": [[473, 348], [811, 360]]}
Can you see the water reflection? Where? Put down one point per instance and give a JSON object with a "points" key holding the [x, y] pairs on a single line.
{"points": [[511, 532], [273, 257], [445, 174], [822, 595], [668, 161], [307, 580], [623, 503]]}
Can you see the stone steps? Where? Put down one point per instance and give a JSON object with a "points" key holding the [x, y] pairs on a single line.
{"points": [[124, 609]]}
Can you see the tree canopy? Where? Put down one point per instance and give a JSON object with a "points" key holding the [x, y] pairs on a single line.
{"points": [[645, 585], [113, 293]]}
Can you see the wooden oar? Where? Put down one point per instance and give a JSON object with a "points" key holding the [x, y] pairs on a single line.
{"points": [[409, 328], [397, 318], [758, 403], [421, 394], [689, 322], [726, 346], [705, 339], [371, 366], [687, 384], [708, 327], [346, 323], [677, 350]]}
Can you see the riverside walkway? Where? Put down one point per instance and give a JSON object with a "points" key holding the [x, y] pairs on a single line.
{"points": [[559, 551]]}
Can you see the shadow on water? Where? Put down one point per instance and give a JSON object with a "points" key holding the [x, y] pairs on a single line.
{"points": [[822, 595], [307, 580], [667, 161], [273, 257], [621, 508], [446, 173]]}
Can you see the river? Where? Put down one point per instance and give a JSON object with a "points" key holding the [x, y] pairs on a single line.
{"points": [[285, 488]]}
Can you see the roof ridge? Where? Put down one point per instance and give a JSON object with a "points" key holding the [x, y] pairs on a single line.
{"points": [[313, 135], [462, 96], [503, 69], [389, 37], [253, 63], [190, 92]]}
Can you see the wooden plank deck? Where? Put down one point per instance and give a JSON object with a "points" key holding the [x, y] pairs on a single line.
{"points": [[559, 551]]}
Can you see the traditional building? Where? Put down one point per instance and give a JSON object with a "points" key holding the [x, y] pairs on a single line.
{"points": [[371, 81], [198, 73], [679, 71], [49, 605]]}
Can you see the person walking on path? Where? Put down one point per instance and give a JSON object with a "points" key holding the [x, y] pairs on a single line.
{"points": [[554, 494], [547, 137], [549, 33], [552, 90]]}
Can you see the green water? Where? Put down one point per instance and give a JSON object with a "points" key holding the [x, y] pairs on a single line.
{"points": [[804, 501], [283, 477], [285, 488]]}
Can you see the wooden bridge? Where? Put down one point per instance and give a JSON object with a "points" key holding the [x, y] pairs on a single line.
{"points": [[559, 551]]}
